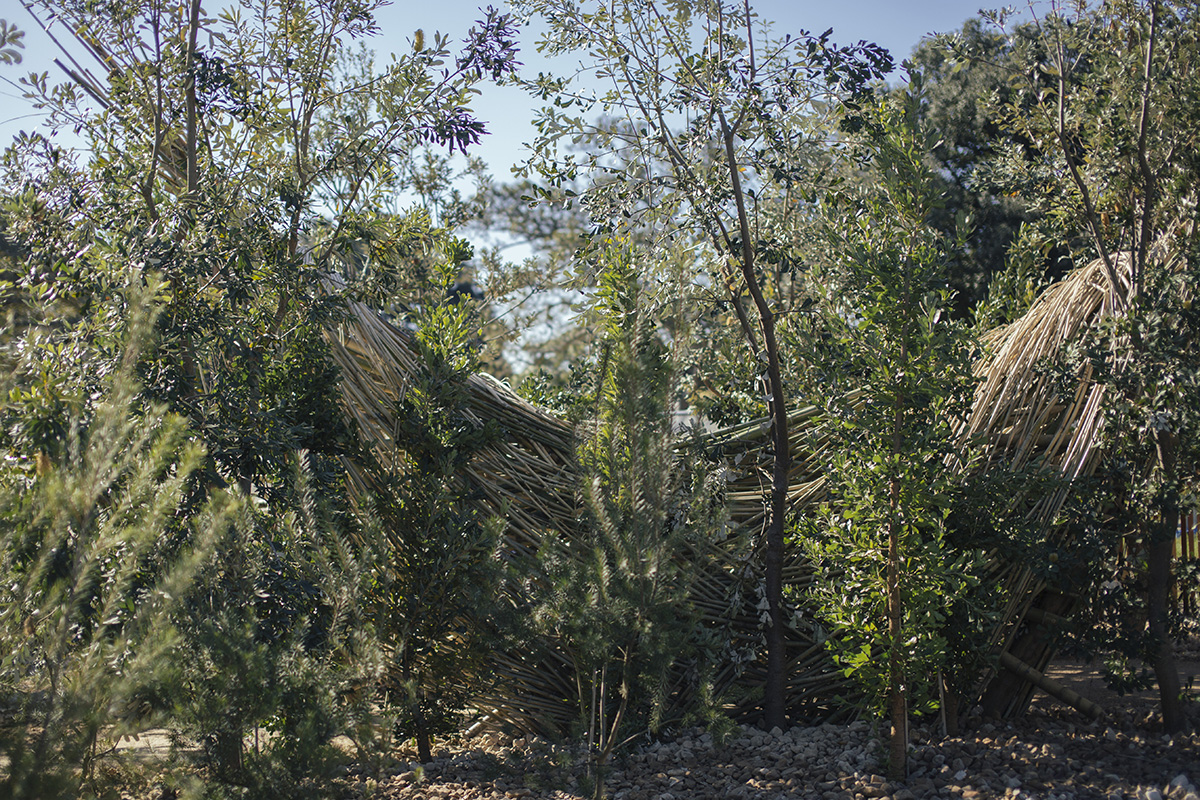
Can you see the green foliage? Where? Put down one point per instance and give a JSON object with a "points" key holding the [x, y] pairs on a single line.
{"points": [[137, 600], [711, 137], [655, 168], [932, 579], [959, 103], [10, 43], [616, 598], [250, 158], [96, 552], [248, 170], [1106, 101], [1148, 360], [892, 372], [1097, 114], [435, 604], [275, 650]]}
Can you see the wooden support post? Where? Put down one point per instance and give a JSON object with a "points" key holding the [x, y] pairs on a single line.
{"points": [[1048, 619]]}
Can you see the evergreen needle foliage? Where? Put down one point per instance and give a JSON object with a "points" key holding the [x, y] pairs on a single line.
{"points": [[94, 555], [616, 601], [276, 648]]}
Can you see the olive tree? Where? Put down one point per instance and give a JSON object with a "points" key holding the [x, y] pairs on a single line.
{"points": [[1107, 105], [709, 119], [243, 156]]}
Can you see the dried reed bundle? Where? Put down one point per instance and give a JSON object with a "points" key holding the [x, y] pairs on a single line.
{"points": [[531, 476]]}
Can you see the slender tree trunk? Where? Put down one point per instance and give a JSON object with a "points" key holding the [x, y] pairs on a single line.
{"points": [[1160, 548], [950, 706], [898, 751], [421, 730], [420, 726], [775, 689], [227, 750], [1166, 672]]}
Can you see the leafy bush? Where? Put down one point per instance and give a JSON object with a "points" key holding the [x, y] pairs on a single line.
{"points": [[274, 651], [435, 602], [893, 374]]}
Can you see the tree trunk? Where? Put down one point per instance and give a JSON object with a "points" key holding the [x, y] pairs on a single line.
{"points": [[227, 751], [1160, 548], [421, 731], [898, 752], [775, 690], [951, 701], [420, 725], [1158, 590]]}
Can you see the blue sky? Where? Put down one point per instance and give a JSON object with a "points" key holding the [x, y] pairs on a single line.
{"points": [[897, 25]]}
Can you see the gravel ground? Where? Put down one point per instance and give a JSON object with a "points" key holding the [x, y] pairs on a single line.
{"points": [[1052, 753]]}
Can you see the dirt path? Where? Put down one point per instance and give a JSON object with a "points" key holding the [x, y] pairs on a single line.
{"points": [[1088, 680]]}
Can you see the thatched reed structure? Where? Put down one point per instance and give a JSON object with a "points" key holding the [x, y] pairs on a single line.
{"points": [[1025, 422], [1018, 416]]}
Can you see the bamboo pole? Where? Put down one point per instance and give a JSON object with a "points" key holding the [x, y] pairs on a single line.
{"points": [[1051, 686]]}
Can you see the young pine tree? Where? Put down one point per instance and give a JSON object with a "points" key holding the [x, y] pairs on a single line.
{"points": [[615, 600], [95, 551]]}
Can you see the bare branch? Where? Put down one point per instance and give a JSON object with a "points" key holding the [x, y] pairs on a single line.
{"points": [[1090, 216], [1149, 184]]}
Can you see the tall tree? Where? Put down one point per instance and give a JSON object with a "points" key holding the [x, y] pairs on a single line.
{"points": [[1107, 101], [892, 372], [714, 116], [244, 156]]}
